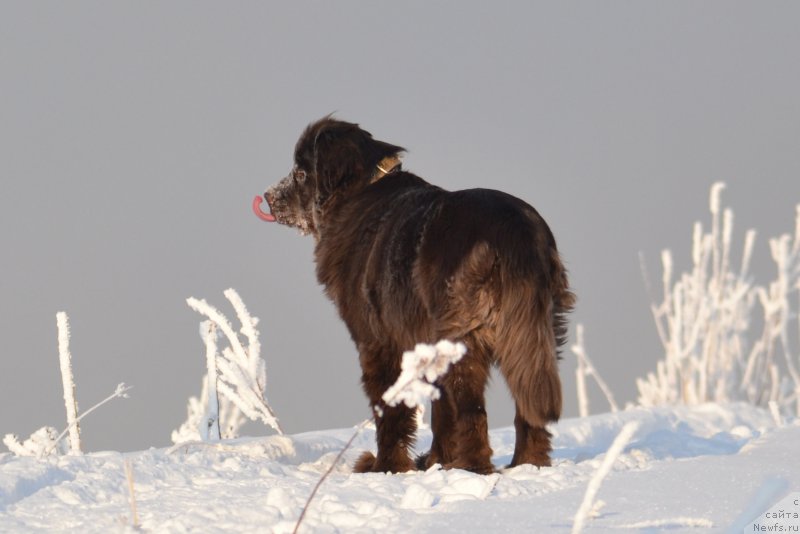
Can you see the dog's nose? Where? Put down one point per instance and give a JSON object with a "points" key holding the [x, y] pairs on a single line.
{"points": [[268, 197]]}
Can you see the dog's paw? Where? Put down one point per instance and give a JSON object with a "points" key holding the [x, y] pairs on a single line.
{"points": [[480, 468], [365, 463], [428, 460], [537, 460], [422, 461]]}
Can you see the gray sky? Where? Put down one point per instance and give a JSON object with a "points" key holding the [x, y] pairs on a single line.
{"points": [[133, 136]]}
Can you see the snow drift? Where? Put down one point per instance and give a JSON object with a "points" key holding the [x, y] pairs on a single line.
{"points": [[684, 467]]}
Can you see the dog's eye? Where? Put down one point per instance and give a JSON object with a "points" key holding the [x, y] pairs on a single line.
{"points": [[299, 176]]}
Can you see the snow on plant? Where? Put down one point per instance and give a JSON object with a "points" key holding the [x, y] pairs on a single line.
{"points": [[241, 377], [414, 387], [589, 507], [210, 431], [588, 504], [778, 310], [705, 323], [37, 444], [419, 369], [230, 418], [121, 391], [586, 369], [68, 381], [46, 441], [189, 430]]}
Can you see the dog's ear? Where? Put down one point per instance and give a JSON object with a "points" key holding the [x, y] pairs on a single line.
{"points": [[345, 155], [386, 151], [336, 158]]}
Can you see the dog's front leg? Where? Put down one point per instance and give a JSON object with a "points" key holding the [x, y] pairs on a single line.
{"points": [[395, 426], [394, 436]]}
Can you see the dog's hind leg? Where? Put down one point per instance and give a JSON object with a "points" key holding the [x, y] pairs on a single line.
{"points": [[443, 428], [532, 444], [464, 384], [527, 343]]}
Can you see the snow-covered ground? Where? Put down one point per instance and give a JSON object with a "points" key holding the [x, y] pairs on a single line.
{"points": [[703, 466]]}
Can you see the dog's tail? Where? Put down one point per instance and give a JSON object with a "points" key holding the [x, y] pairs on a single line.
{"points": [[531, 327]]}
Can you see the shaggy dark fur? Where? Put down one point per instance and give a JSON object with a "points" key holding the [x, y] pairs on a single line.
{"points": [[407, 262]]}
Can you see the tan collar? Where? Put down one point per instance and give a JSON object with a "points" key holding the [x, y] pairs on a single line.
{"points": [[386, 166]]}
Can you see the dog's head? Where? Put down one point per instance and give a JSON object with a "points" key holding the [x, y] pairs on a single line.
{"points": [[332, 159]]}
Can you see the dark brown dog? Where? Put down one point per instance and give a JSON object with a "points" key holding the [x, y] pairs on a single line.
{"points": [[407, 262]]}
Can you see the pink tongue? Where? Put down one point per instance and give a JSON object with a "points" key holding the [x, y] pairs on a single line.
{"points": [[260, 214]]}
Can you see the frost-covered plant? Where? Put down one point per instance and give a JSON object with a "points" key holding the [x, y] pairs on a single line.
{"points": [[589, 508], [198, 420], [588, 505], [189, 430], [419, 369], [46, 440], [120, 391], [705, 323], [41, 441], [586, 369], [68, 381], [241, 377], [210, 431]]}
